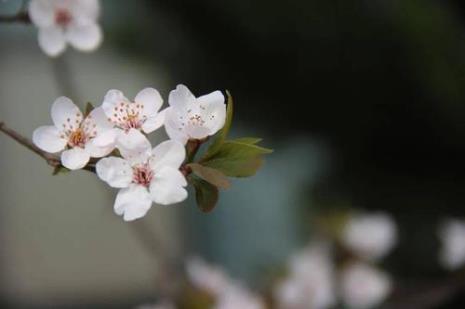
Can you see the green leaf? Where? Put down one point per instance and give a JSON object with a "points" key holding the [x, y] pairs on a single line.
{"points": [[223, 133], [211, 175], [89, 108], [237, 159], [247, 140], [206, 194], [60, 169]]}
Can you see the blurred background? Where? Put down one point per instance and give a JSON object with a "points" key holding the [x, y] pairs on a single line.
{"points": [[362, 101]]}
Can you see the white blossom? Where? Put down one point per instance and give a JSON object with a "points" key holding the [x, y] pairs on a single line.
{"points": [[73, 133], [209, 278], [371, 236], [236, 296], [452, 237], [310, 283], [363, 286], [189, 117], [129, 119], [226, 292], [66, 21], [144, 176]]}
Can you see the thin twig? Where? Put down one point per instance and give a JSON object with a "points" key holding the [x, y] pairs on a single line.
{"points": [[21, 17], [50, 159]]}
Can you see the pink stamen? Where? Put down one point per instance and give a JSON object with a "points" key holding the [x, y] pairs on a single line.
{"points": [[62, 17], [142, 175]]}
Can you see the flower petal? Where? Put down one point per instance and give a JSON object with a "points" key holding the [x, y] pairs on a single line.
{"points": [[213, 97], [52, 41], [213, 111], [151, 100], [48, 139], [111, 100], [167, 186], [75, 158], [84, 37], [153, 123], [133, 145], [98, 118], [66, 115], [85, 9], [132, 202], [42, 13], [174, 130], [197, 132], [106, 138], [96, 151], [115, 171], [168, 153], [181, 97]]}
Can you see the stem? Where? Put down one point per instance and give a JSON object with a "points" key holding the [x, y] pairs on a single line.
{"points": [[20, 17], [50, 159], [192, 147]]}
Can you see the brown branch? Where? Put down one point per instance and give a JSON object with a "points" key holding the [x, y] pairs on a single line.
{"points": [[51, 160], [21, 17]]}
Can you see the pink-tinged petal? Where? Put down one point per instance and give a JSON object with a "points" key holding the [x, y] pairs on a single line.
{"points": [[132, 203], [115, 171], [111, 100], [167, 186], [181, 97], [215, 117], [97, 116], [173, 128], [84, 37], [151, 100], [85, 9], [42, 13], [133, 145], [213, 111], [106, 138], [52, 41], [65, 114], [75, 158], [168, 153], [153, 123], [214, 97], [48, 138], [197, 132], [96, 151]]}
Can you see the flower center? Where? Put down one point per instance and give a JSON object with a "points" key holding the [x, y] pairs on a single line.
{"points": [[62, 17], [128, 115], [77, 138], [196, 120], [142, 175], [133, 121]]}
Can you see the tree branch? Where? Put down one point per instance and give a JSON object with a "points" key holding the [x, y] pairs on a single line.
{"points": [[20, 17], [51, 160]]}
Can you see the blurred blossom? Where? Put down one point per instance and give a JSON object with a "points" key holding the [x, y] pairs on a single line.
{"points": [[452, 237], [61, 22], [236, 296], [363, 286], [211, 279], [310, 283], [370, 236], [228, 294]]}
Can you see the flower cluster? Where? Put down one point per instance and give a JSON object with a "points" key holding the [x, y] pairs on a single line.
{"points": [[316, 281], [223, 291], [112, 139]]}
